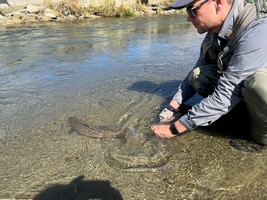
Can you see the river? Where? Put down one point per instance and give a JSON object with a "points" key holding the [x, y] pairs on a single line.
{"points": [[117, 73]]}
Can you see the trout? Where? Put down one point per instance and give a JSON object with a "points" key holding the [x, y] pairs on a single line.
{"points": [[83, 128]]}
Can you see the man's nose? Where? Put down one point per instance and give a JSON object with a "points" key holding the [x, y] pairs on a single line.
{"points": [[189, 19]]}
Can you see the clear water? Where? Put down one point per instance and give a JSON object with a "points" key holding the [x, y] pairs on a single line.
{"points": [[116, 73]]}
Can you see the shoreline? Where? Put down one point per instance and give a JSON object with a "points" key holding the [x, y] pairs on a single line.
{"points": [[67, 12]]}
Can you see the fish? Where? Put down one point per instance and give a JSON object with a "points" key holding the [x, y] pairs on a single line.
{"points": [[123, 149], [85, 129]]}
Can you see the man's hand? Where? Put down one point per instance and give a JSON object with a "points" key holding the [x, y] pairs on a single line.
{"points": [[164, 131], [167, 115]]}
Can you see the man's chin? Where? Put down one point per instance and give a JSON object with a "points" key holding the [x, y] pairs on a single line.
{"points": [[201, 31]]}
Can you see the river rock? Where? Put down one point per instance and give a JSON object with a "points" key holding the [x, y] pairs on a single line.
{"points": [[70, 17], [50, 14], [34, 9]]}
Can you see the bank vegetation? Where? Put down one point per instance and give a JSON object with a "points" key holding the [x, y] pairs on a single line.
{"points": [[74, 9]]}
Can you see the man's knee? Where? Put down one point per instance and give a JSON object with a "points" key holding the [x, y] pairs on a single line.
{"points": [[255, 97], [204, 79]]}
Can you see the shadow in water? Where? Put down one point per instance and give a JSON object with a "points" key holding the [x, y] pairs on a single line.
{"points": [[166, 89], [78, 189]]}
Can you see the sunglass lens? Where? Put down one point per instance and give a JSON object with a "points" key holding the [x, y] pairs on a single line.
{"points": [[191, 13]]}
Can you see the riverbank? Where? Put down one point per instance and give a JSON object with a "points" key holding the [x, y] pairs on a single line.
{"points": [[69, 10]]}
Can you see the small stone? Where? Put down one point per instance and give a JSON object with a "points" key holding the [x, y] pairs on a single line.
{"points": [[33, 9]]}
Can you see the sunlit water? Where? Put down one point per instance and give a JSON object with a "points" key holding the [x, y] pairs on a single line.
{"points": [[116, 73]]}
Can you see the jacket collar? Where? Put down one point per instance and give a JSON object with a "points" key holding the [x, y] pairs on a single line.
{"points": [[227, 28]]}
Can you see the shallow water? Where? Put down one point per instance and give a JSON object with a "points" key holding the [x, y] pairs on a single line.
{"points": [[116, 73]]}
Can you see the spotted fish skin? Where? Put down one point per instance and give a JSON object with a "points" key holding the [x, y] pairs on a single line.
{"points": [[83, 128]]}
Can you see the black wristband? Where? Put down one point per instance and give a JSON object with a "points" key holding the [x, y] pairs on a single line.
{"points": [[173, 129], [169, 107]]}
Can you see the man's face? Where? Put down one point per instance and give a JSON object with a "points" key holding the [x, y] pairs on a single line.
{"points": [[202, 14]]}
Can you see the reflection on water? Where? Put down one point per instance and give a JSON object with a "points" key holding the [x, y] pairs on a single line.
{"points": [[43, 64], [116, 73]]}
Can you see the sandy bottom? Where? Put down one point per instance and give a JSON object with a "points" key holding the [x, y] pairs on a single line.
{"points": [[50, 163]]}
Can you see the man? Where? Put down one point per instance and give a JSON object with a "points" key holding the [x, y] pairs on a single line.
{"points": [[231, 69]]}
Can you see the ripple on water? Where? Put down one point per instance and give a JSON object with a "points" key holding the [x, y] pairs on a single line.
{"points": [[138, 154], [197, 168], [127, 150]]}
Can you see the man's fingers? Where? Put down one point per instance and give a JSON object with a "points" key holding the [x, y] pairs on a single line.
{"points": [[153, 127]]}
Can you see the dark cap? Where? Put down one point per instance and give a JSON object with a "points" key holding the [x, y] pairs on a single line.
{"points": [[178, 4]]}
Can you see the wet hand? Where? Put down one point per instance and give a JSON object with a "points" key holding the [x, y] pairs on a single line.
{"points": [[167, 114], [162, 131]]}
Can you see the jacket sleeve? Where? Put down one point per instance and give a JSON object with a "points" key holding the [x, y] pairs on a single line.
{"points": [[248, 57]]}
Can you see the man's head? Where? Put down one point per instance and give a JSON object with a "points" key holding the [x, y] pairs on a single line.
{"points": [[205, 15]]}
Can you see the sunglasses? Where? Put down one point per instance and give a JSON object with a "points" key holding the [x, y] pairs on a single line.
{"points": [[191, 10]]}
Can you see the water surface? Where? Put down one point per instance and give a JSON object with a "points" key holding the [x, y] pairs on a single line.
{"points": [[116, 73]]}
